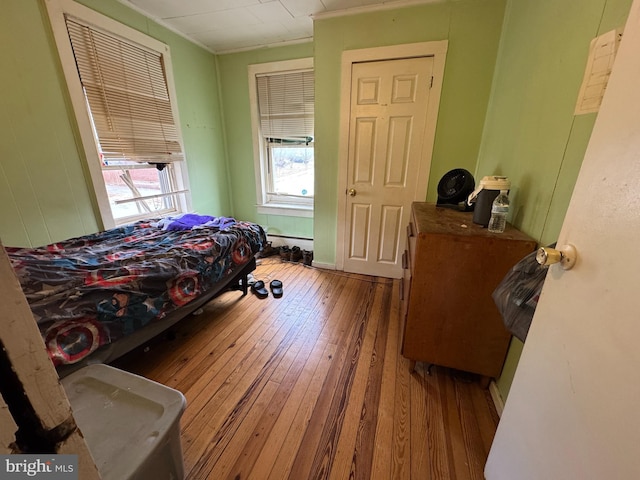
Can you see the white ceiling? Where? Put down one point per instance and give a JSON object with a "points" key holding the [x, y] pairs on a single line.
{"points": [[231, 25]]}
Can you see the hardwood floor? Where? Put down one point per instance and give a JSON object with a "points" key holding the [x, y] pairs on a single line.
{"points": [[312, 385]]}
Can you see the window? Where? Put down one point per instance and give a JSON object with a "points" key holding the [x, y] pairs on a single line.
{"points": [[282, 103], [121, 87]]}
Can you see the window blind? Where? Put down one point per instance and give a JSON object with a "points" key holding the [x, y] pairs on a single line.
{"points": [[126, 90], [286, 104]]}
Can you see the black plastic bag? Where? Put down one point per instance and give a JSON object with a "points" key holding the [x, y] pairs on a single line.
{"points": [[517, 295]]}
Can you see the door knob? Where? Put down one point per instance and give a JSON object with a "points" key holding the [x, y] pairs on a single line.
{"points": [[566, 256], [352, 192]]}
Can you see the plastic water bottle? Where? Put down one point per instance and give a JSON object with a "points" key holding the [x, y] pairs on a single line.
{"points": [[499, 211]]}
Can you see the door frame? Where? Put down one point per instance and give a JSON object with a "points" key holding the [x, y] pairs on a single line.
{"points": [[437, 50]]}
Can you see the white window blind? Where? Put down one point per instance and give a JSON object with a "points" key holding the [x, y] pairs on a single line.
{"points": [[286, 104], [126, 90]]}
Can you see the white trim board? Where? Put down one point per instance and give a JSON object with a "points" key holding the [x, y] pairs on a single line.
{"points": [[496, 397], [388, 5]]}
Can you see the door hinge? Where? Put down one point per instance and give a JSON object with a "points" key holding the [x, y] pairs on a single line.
{"points": [[431, 84]]}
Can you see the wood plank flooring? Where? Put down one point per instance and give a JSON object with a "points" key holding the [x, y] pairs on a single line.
{"points": [[312, 385]]}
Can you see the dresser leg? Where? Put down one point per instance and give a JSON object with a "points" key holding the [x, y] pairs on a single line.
{"points": [[485, 381], [412, 366], [427, 370]]}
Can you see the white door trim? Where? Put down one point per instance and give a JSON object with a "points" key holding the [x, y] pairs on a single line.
{"points": [[437, 50]]}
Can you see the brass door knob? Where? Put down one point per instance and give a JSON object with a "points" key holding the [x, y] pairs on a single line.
{"points": [[565, 256], [352, 192]]}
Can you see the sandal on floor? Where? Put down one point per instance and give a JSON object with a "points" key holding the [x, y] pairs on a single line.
{"points": [[276, 288], [259, 290]]}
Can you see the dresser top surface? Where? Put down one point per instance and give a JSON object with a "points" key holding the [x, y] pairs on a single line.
{"points": [[431, 219]]}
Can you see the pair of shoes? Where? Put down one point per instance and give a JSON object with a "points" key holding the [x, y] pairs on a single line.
{"points": [[258, 288], [295, 254], [285, 253], [307, 257]]}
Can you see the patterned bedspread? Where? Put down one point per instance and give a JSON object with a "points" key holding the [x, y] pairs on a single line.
{"points": [[92, 290]]}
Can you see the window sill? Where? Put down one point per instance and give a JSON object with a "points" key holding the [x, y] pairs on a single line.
{"points": [[286, 210]]}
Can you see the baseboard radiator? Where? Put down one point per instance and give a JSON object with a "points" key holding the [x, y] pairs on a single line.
{"points": [[279, 240]]}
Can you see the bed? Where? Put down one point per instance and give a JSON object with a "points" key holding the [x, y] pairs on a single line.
{"points": [[98, 296]]}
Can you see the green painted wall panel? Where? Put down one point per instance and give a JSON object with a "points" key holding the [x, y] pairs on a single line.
{"points": [[472, 28], [567, 175], [47, 197], [531, 134], [536, 89], [202, 129], [237, 123], [470, 60], [39, 161]]}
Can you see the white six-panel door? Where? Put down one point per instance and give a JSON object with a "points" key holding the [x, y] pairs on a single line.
{"points": [[388, 115]]}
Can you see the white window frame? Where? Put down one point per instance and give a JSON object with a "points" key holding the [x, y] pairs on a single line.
{"points": [[265, 204], [57, 9]]}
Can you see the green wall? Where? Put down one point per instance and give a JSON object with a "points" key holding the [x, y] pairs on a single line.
{"points": [[234, 82], [531, 134], [472, 28], [43, 193], [43, 183]]}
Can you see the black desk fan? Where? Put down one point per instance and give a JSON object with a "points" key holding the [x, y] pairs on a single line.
{"points": [[454, 188]]}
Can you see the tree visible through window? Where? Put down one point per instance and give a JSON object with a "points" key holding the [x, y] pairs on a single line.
{"points": [[138, 190], [291, 166]]}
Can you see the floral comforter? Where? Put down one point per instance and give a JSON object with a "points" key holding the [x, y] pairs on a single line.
{"points": [[92, 290]]}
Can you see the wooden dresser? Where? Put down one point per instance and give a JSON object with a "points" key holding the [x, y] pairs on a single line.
{"points": [[452, 266]]}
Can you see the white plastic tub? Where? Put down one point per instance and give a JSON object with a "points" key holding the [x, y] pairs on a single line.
{"points": [[131, 424]]}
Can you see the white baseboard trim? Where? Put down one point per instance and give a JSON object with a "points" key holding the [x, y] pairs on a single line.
{"points": [[496, 397], [325, 266], [280, 240]]}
